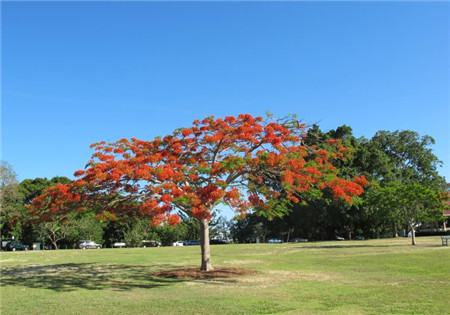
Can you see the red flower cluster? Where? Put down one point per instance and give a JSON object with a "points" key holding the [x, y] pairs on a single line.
{"points": [[236, 160], [346, 189], [55, 200]]}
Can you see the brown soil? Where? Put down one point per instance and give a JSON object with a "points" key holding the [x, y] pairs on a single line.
{"points": [[195, 273]]}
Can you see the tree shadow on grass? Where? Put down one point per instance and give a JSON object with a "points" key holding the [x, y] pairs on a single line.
{"points": [[69, 277]]}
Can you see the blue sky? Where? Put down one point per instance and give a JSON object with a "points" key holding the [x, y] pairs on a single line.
{"points": [[77, 73]]}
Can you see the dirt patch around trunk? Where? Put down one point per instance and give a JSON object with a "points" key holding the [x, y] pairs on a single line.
{"points": [[196, 274]]}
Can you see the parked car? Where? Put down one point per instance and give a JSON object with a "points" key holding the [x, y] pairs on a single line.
{"points": [[191, 243], [178, 243], [4, 243], [299, 240], [340, 238], [119, 244], [15, 245], [89, 245], [359, 238], [150, 243], [274, 241]]}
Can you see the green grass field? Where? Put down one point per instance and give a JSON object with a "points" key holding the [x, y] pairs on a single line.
{"points": [[354, 277]]}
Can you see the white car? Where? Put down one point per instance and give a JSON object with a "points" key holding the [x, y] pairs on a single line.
{"points": [[119, 244], [178, 243], [89, 244]]}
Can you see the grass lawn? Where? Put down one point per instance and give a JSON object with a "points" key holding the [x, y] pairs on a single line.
{"points": [[350, 277]]}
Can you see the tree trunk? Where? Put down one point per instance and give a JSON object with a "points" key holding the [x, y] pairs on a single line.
{"points": [[413, 235], [289, 234], [53, 239], [204, 244], [55, 244]]}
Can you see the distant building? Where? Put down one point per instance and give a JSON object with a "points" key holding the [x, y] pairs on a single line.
{"points": [[446, 212]]}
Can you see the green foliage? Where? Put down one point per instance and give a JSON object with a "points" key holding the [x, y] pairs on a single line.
{"points": [[10, 202], [233, 162], [168, 234], [251, 229], [69, 231], [191, 227], [277, 209], [136, 231], [405, 203], [401, 156], [85, 227], [53, 232]]}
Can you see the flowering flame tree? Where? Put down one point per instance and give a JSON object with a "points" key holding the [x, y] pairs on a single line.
{"points": [[248, 163]]}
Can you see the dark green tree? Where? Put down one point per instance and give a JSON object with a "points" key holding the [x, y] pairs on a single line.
{"points": [[53, 231], [84, 226], [401, 156], [408, 204]]}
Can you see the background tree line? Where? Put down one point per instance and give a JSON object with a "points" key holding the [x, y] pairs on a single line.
{"points": [[405, 193]]}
